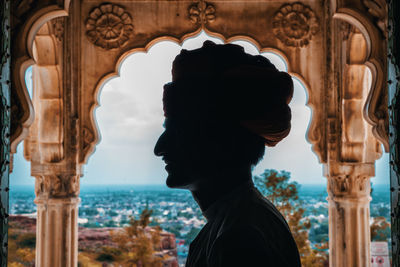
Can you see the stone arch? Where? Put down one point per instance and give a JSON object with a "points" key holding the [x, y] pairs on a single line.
{"points": [[95, 138], [375, 108], [23, 115]]}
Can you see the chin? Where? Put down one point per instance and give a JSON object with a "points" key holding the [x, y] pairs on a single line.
{"points": [[177, 181]]}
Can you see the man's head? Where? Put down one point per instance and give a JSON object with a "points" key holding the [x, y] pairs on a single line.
{"points": [[222, 107]]}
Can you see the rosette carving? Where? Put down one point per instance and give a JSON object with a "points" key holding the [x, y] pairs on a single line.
{"points": [[295, 24], [109, 26]]}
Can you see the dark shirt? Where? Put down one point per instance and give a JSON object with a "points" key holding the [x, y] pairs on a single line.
{"points": [[243, 229]]}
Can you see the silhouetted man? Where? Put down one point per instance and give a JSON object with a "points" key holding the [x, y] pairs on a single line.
{"points": [[221, 109]]}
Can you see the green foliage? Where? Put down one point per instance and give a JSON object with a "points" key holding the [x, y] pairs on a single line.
{"points": [[284, 195]]}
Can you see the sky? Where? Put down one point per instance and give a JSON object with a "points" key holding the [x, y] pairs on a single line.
{"points": [[130, 119]]}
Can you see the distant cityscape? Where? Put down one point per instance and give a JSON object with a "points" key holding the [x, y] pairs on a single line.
{"points": [[176, 211]]}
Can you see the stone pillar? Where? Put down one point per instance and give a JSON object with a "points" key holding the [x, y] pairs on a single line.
{"points": [[57, 220], [352, 149], [52, 147], [349, 191]]}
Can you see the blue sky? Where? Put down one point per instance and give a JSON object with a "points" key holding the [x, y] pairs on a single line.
{"points": [[130, 121]]}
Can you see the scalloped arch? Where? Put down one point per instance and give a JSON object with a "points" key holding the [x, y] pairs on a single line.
{"points": [[24, 52], [116, 73]]}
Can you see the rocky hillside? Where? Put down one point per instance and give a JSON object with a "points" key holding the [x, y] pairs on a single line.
{"points": [[92, 242]]}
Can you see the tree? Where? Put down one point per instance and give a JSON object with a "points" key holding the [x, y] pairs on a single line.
{"points": [[380, 229], [138, 242], [276, 187]]}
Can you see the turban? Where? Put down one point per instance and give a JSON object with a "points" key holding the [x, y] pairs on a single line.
{"points": [[223, 83]]}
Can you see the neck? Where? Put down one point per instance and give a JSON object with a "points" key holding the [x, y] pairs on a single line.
{"points": [[219, 185]]}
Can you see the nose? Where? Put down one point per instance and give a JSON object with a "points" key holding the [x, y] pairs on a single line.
{"points": [[160, 147]]}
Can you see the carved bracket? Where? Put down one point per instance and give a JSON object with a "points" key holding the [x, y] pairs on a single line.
{"points": [[376, 107], [26, 22]]}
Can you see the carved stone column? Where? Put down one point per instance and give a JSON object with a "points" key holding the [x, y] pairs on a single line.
{"points": [[52, 148], [349, 230], [57, 220], [352, 146], [52, 158]]}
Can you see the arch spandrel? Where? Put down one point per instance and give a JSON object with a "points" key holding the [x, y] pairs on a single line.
{"points": [[142, 23]]}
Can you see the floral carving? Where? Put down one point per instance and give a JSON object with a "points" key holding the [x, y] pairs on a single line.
{"points": [[109, 26], [340, 185], [201, 13], [295, 24], [57, 186]]}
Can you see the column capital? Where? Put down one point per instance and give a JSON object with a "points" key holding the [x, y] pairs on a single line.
{"points": [[56, 186], [349, 182]]}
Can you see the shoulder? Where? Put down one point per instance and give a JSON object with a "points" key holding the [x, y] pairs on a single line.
{"points": [[240, 246], [246, 246], [256, 211]]}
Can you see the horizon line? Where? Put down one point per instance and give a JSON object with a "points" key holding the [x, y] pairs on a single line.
{"points": [[163, 184]]}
